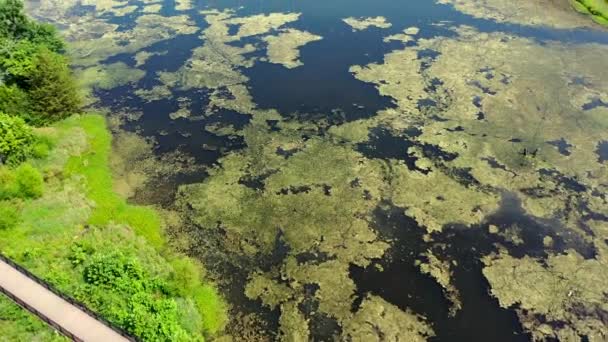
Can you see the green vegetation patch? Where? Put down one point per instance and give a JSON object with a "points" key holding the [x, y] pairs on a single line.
{"points": [[284, 48], [564, 288], [598, 9], [76, 234], [360, 24], [109, 76], [94, 166], [17, 324], [16, 139]]}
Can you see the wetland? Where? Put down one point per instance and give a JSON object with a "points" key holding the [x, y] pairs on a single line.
{"points": [[365, 170]]}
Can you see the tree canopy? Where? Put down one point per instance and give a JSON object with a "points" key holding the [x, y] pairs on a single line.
{"points": [[36, 82]]}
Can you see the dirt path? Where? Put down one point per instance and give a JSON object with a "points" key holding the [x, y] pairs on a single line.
{"points": [[54, 308]]}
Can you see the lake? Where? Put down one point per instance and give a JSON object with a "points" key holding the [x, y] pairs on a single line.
{"points": [[369, 170]]}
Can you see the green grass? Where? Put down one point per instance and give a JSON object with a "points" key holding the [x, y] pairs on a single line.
{"points": [[211, 307], [30, 328], [94, 166]]}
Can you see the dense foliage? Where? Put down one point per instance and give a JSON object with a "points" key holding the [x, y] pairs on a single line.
{"points": [[15, 25], [35, 79], [53, 92], [24, 182]]}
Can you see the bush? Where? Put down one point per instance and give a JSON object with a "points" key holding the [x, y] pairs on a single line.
{"points": [[8, 185], [143, 310], [17, 61], [16, 139], [14, 101], [29, 181], [53, 91], [41, 149], [46, 35], [23, 182], [111, 270], [8, 215], [186, 276]]}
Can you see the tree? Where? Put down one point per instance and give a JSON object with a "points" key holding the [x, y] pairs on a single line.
{"points": [[52, 89], [45, 35], [15, 25]]}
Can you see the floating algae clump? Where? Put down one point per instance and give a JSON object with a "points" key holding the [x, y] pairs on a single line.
{"points": [[149, 29], [155, 93], [283, 49], [407, 35], [215, 64], [557, 14], [567, 290], [490, 128], [110, 76], [360, 24], [378, 320]]}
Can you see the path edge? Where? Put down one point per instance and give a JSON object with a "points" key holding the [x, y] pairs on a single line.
{"points": [[63, 296]]}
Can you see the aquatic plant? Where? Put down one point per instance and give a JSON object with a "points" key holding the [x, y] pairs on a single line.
{"points": [[284, 48], [558, 14], [359, 24]]}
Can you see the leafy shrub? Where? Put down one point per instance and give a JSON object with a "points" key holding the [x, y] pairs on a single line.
{"points": [[29, 181], [8, 185], [186, 276], [40, 150], [46, 35], [16, 139], [17, 61], [111, 269], [8, 215], [23, 182], [14, 101], [144, 310]]}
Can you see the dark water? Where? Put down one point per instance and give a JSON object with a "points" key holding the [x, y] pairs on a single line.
{"points": [[324, 84]]}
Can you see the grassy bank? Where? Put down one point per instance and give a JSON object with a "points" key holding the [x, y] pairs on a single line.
{"points": [[597, 9], [88, 242]]}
